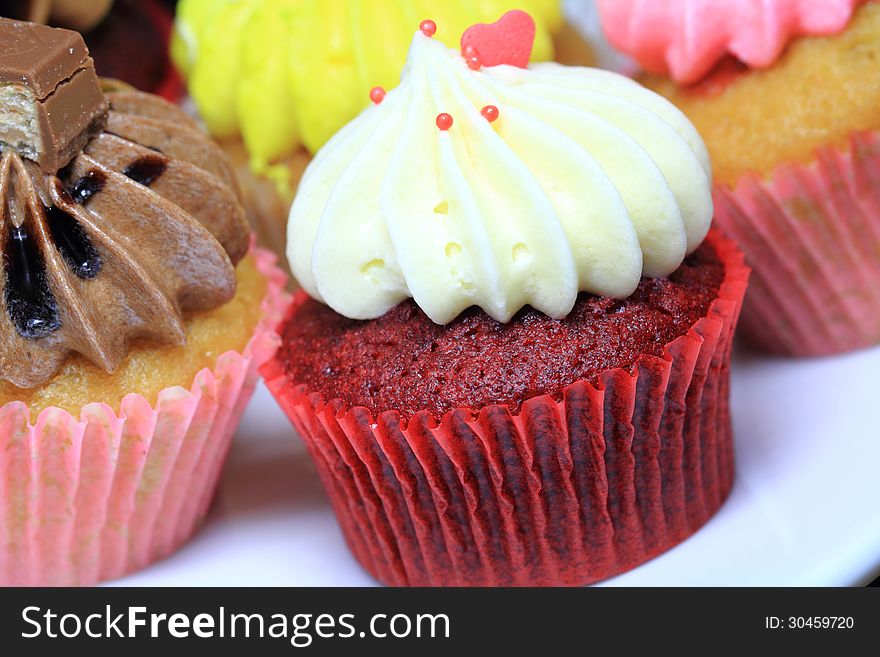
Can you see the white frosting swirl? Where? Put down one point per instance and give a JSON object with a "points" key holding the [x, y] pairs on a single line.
{"points": [[585, 182]]}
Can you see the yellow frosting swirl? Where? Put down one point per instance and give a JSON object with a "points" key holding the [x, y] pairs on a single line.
{"points": [[286, 73], [585, 182]]}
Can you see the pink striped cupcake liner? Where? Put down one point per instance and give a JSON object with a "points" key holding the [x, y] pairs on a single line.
{"points": [[811, 234], [90, 499]]}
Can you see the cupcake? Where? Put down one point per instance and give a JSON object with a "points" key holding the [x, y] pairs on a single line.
{"points": [[127, 40], [274, 80], [785, 95], [510, 355], [134, 315]]}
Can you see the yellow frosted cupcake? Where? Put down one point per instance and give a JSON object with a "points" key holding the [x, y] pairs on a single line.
{"points": [[275, 79]]}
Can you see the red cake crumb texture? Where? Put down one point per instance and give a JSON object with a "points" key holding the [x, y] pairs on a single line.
{"points": [[403, 361]]}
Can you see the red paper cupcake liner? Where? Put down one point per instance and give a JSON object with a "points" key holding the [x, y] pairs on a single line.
{"points": [[811, 234], [564, 492], [89, 499]]}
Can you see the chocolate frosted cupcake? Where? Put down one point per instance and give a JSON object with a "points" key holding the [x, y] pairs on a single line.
{"points": [[133, 316], [510, 359]]}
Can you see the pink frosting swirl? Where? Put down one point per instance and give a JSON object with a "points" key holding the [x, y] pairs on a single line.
{"points": [[686, 38]]}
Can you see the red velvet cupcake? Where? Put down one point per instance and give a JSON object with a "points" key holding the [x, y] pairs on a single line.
{"points": [[510, 360]]}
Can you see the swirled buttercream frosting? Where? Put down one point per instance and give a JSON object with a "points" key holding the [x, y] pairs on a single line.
{"points": [[117, 216], [686, 38], [498, 187]]}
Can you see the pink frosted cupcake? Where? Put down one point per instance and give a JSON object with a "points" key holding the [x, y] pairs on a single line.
{"points": [[785, 95], [134, 315]]}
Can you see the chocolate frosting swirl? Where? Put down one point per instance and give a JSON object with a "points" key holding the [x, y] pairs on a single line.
{"points": [[143, 225]]}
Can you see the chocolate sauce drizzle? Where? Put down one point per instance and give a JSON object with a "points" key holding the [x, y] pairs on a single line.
{"points": [[146, 169], [87, 186], [29, 301], [73, 243]]}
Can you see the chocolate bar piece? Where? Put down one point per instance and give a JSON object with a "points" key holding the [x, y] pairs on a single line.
{"points": [[50, 100]]}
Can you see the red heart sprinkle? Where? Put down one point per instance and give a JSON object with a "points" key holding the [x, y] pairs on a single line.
{"points": [[507, 41]]}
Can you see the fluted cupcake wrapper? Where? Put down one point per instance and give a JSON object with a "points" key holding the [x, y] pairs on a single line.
{"points": [[811, 234], [89, 499], [564, 492]]}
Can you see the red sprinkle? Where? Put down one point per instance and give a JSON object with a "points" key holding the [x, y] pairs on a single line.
{"points": [[444, 121], [490, 112], [471, 57], [377, 94], [428, 27]]}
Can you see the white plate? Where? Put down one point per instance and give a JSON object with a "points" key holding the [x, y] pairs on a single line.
{"points": [[803, 511]]}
